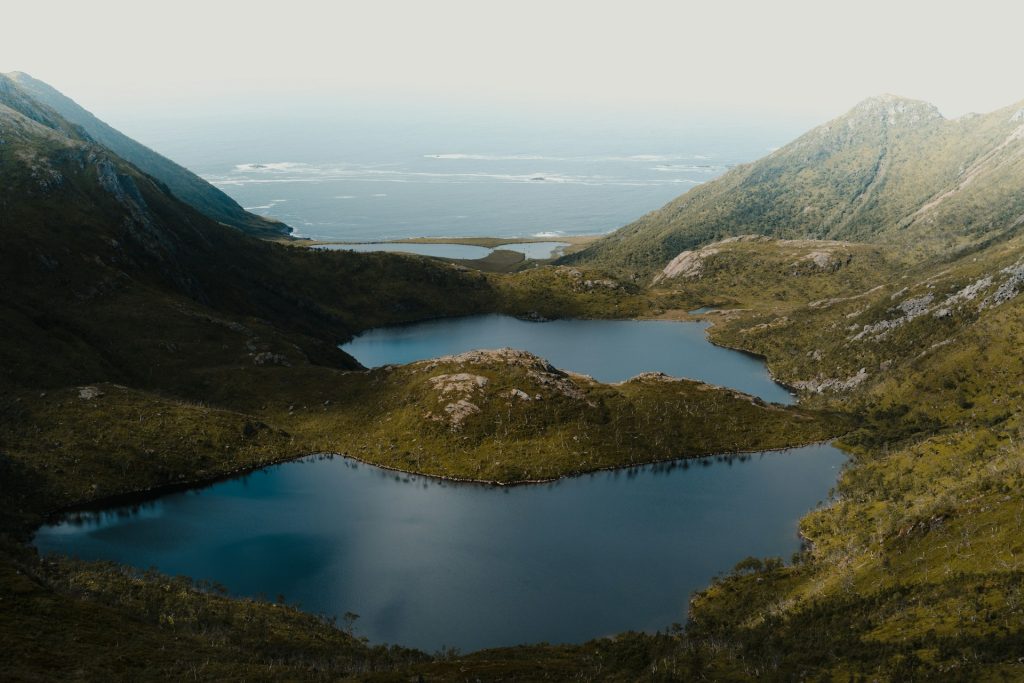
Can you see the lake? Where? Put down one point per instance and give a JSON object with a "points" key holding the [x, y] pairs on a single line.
{"points": [[428, 563], [607, 350], [531, 250]]}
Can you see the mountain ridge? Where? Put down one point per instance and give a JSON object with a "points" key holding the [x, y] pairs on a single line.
{"points": [[890, 170], [185, 184]]}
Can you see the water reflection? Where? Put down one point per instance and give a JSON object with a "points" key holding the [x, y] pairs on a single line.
{"points": [[429, 562]]}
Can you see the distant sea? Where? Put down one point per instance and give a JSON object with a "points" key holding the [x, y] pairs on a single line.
{"points": [[368, 181]]}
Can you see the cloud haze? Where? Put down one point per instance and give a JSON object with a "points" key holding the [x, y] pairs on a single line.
{"points": [[783, 56]]}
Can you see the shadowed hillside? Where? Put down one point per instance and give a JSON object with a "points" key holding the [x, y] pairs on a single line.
{"points": [[185, 184]]}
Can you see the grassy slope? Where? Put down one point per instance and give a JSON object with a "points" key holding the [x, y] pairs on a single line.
{"points": [[913, 572], [890, 170], [203, 350]]}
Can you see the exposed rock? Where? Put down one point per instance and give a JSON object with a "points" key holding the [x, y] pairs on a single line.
{"points": [[462, 383], [600, 284], [688, 264], [89, 393], [557, 382], [537, 369], [1009, 288], [504, 356], [268, 358], [654, 377], [520, 394], [968, 293], [911, 308], [823, 384], [459, 411], [819, 258]]}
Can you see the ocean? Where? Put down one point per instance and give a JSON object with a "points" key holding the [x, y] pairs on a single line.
{"points": [[363, 179]]}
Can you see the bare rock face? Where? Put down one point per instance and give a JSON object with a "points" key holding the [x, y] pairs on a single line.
{"points": [[89, 393], [496, 357], [1009, 288], [458, 412], [462, 394], [460, 383], [823, 384], [268, 358], [688, 264]]}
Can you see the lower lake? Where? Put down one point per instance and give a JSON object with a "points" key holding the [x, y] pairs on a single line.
{"points": [[428, 563]]}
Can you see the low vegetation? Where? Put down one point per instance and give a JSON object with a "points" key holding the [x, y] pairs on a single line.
{"points": [[144, 346]]}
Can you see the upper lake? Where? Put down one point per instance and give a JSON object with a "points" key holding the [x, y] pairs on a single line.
{"points": [[607, 350], [429, 563]]}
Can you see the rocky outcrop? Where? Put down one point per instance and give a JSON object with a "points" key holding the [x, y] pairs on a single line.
{"points": [[461, 394], [688, 264], [821, 385], [1009, 288], [89, 393], [911, 308], [460, 383]]}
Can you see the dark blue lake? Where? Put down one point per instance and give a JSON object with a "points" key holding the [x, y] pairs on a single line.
{"points": [[607, 350], [428, 563]]}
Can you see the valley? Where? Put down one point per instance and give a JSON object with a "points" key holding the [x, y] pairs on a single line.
{"points": [[874, 264]]}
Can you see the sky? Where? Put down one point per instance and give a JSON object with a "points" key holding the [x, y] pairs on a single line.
{"points": [[642, 57]]}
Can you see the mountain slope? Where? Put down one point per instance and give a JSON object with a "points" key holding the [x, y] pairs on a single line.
{"points": [[185, 185], [106, 271], [890, 171]]}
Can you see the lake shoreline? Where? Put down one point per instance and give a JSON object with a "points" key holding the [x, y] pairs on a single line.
{"points": [[141, 496]]}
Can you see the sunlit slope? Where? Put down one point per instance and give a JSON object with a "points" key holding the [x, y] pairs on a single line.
{"points": [[890, 171]]}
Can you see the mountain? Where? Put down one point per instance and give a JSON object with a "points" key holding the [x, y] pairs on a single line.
{"points": [[105, 270], [891, 171], [185, 185], [144, 345]]}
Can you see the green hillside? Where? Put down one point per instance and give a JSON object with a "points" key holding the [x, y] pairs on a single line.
{"points": [[890, 171], [144, 345]]}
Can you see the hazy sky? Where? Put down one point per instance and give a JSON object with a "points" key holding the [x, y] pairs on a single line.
{"points": [[782, 56]]}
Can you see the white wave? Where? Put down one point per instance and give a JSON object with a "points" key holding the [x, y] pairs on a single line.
{"points": [[271, 205], [304, 173], [684, 168], [552, 233], [345, 196], [380, 194], [270, 166], [493, 157]]}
